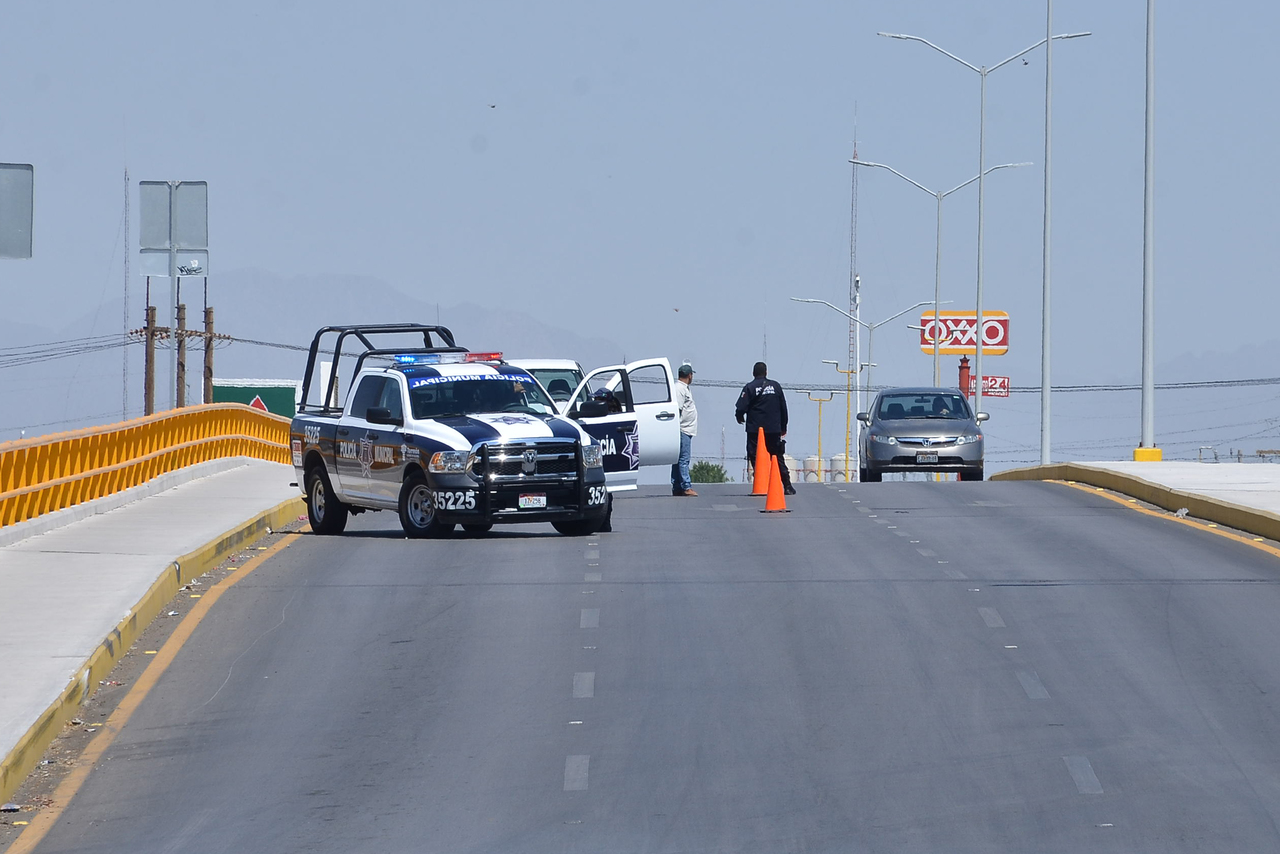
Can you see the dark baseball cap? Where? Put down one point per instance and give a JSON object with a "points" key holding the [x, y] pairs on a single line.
{"points": [[686, 370]]}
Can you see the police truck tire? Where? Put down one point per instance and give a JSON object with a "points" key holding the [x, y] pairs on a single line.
{"points": [[607, 527], [418, 511], [579, 527], [478, 528], [326, 513]]}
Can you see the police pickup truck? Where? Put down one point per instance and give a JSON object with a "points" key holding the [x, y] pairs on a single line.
{"points": [[444, 436]]}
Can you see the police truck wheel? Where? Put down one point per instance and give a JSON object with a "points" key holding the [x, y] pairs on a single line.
{"points": [[326, 513], [418, 510], [579, 527], [607, 527]]}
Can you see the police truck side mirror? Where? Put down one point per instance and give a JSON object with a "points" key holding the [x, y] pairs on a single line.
{"points": [[864, 417], [382, 415], [591, 409]]}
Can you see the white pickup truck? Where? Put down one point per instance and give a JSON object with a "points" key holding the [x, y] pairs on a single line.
{"points": [[443, 437]]}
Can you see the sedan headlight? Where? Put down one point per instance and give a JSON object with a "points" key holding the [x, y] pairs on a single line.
{"points": [[448, 462], [969, 440], [592, 456], [884, 440]]}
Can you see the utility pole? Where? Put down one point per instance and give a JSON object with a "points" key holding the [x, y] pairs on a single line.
{"points": [[124, 392], [180, 336], [149, 364], [208, 355]]}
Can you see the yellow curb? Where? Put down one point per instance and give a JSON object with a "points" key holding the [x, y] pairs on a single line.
{"points": [[27, 752], [1257, 522]]}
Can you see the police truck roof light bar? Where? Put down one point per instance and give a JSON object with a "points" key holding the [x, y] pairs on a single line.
{"points": [[483, 357]]}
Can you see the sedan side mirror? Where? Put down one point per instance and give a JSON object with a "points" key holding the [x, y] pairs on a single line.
{"points": [[864, 417], [591, 409], [382, 415], [981, 416]]}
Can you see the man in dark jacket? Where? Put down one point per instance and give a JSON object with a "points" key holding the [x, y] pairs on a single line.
{"points": [[762, 404]]}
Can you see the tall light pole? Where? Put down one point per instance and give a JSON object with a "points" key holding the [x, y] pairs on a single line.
{"points": [[1148, 450], [982, 72], [1045, 305], [937, 254]]}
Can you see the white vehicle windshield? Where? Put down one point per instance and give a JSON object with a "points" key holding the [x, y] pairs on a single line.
{"points": [[441, 397], [559, 382]]}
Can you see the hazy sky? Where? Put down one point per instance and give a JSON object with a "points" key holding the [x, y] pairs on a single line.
{"points": [[600, 165]]}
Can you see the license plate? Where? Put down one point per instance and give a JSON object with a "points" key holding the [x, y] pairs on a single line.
{"points": [[926, 457], [535, 501]]}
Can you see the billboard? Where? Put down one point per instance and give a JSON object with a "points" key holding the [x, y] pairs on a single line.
{"points": [[278, 397], [957, 333]]}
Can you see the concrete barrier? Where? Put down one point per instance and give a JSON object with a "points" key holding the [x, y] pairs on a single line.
{"points": [[1257, 522]]}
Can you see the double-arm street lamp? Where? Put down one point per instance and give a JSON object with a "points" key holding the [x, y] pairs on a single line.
{"points": [[821, 400], [937, 254], [982, 72]]}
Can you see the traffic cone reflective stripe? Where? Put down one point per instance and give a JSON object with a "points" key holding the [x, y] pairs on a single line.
{"points": [[777, 500], [760, 483]]}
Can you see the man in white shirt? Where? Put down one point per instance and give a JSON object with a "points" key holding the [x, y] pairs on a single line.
{"points": [[680, 483]]}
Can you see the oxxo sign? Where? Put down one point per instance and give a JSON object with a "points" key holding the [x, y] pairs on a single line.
{"points": [[956, 333]]}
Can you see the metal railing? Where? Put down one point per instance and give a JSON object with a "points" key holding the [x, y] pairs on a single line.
{"points": [[49, 473]]}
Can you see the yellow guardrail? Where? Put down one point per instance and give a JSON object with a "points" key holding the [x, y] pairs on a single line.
{"points": [[49, 473]]}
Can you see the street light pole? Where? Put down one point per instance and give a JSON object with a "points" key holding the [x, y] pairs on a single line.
{"points": [[1045, 304], [982, 72], [1147, 449], [937, 254]]}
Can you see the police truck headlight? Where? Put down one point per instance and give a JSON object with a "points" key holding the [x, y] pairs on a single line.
{"points": [[447, 462], [884, 440], [592, 456]]}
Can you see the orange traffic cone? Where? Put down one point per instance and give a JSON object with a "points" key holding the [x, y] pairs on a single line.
{"points": [[760, 483], [777, 500]]}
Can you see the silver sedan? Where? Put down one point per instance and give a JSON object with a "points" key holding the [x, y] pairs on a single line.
{"points": [[921, 429]]}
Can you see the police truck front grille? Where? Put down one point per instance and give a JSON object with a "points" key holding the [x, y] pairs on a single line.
{"points": [[508, 462]]}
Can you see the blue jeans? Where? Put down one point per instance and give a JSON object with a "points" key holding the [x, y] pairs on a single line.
{"points": [[680, 470]]}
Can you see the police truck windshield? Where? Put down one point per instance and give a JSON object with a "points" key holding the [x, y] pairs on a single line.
{"points": [[441, 397]]}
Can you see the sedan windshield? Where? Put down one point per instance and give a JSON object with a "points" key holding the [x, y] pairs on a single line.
{"points": [[440, 397], [926, 405]]}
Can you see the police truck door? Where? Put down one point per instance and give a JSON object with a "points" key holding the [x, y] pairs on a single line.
{"points": [[642, 427]]}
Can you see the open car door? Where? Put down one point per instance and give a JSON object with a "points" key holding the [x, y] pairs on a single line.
{"points": [[642, 427]]}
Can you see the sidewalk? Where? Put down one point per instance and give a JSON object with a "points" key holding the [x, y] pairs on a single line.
{"points": [[65, 592], [1245, 497]]}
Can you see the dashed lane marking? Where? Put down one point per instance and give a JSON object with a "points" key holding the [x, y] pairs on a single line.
{"points": [[1032, 685], [1082, 773], [992, 618], [576, 769]]}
